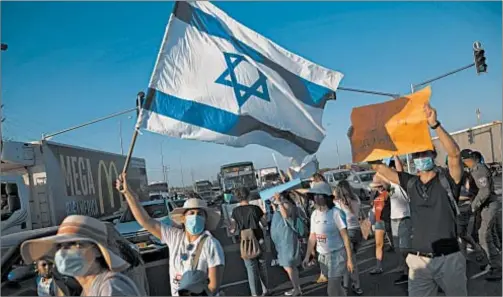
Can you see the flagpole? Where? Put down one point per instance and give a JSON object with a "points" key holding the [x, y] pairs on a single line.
{"points": [[139, 98]]}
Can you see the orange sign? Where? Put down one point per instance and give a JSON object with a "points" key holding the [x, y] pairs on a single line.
{"points": [[396, 127]]}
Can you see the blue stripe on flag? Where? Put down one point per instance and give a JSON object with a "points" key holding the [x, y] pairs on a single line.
{"points": [[306, 91], [194, 113], [221, 121]]}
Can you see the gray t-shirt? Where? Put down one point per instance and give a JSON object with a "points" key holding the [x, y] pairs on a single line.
{"points": [[112, 284]]}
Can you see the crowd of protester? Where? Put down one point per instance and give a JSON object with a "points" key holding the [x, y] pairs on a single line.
{"points": [[432, 219]]}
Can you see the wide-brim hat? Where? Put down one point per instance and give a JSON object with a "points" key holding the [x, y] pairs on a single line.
{"points": [[212, 216], [74, 228], [321, 188], [194, 281]]}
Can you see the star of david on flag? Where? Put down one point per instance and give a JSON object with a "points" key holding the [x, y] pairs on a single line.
{"points": [[242, 92], [216, 80]]}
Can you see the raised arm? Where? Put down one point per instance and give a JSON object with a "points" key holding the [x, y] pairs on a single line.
{"points": [[449, 145], [385, 172], [398, 164], [139, 213]]}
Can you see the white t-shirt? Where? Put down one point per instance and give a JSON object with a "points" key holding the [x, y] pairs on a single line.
{"points": [[326, 225], [351, 217], [110, 283], [399, 203], [212, 254]]}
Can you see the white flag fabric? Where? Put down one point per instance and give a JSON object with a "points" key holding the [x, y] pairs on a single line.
{"points": [[309, 166], [216, 80]]}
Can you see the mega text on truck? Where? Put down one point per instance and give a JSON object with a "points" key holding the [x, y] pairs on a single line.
{"points": [[43, 182]]}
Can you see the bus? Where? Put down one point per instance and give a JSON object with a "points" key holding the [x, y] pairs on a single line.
{"points": [[204, 189], [236, 175]]}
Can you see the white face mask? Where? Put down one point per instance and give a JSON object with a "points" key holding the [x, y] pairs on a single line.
{"points": [[72, 262]]}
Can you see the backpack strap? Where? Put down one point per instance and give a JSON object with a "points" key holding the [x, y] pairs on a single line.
{"points": [[446, 185], [197, 252]]}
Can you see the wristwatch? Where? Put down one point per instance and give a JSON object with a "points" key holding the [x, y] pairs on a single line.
{"points": [[436, 125]]}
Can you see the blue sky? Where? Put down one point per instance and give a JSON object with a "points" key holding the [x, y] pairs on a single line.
{"points": [[70, 62]]}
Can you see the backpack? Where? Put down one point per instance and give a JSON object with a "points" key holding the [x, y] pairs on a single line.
{"points": [[299, 224], [441, 172], [249, 246]]}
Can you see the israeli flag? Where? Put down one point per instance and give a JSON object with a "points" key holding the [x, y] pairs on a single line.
{"points": [[216, 80]]}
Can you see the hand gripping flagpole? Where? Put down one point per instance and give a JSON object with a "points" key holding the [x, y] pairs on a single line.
{"points": [[140, 97]]}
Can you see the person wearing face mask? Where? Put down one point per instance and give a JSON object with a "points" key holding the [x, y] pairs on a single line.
{"points": [[80, 251], [193, 241], [434, 259], [329, 235]]}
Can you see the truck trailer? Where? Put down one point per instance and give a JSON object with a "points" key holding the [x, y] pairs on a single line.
{"points": [[43, 182], [484, 138]]}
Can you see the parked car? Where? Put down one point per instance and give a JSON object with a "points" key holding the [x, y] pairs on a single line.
{"points": [[130, 229], [333, 177], [360, 182]]}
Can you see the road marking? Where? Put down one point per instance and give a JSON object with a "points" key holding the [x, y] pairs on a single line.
{"points": [[365, 261], [233, 284], [480, 274], [393, 271]]}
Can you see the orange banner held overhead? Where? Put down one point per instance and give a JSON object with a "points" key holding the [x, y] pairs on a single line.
{"points": [[395, 127]]}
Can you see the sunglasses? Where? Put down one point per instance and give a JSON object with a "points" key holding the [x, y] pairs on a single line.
{"points": [[185, 256]]}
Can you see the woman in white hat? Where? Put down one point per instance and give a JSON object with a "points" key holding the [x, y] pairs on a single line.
{"points": [[80, 250], [330, 237], [194, 247]]}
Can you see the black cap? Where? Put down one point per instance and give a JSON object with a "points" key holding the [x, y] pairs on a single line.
{"points": [[477, 155], [466, 154]]}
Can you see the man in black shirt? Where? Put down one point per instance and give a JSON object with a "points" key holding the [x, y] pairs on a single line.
{"points": [[247, 216], [435, 258]]}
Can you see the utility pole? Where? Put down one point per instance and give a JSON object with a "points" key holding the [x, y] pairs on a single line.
{"points": [[478, 116], [181, 171], [480, 66], [120, 137], [338, 156], [162, 164]]}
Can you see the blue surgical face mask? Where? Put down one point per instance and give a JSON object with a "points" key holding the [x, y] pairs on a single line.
{"points": [[424, 164], [194, 224], [72, 262]]}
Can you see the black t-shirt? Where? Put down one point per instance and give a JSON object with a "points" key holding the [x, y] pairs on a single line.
{"points": [[432, 215], [248, 217]]}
